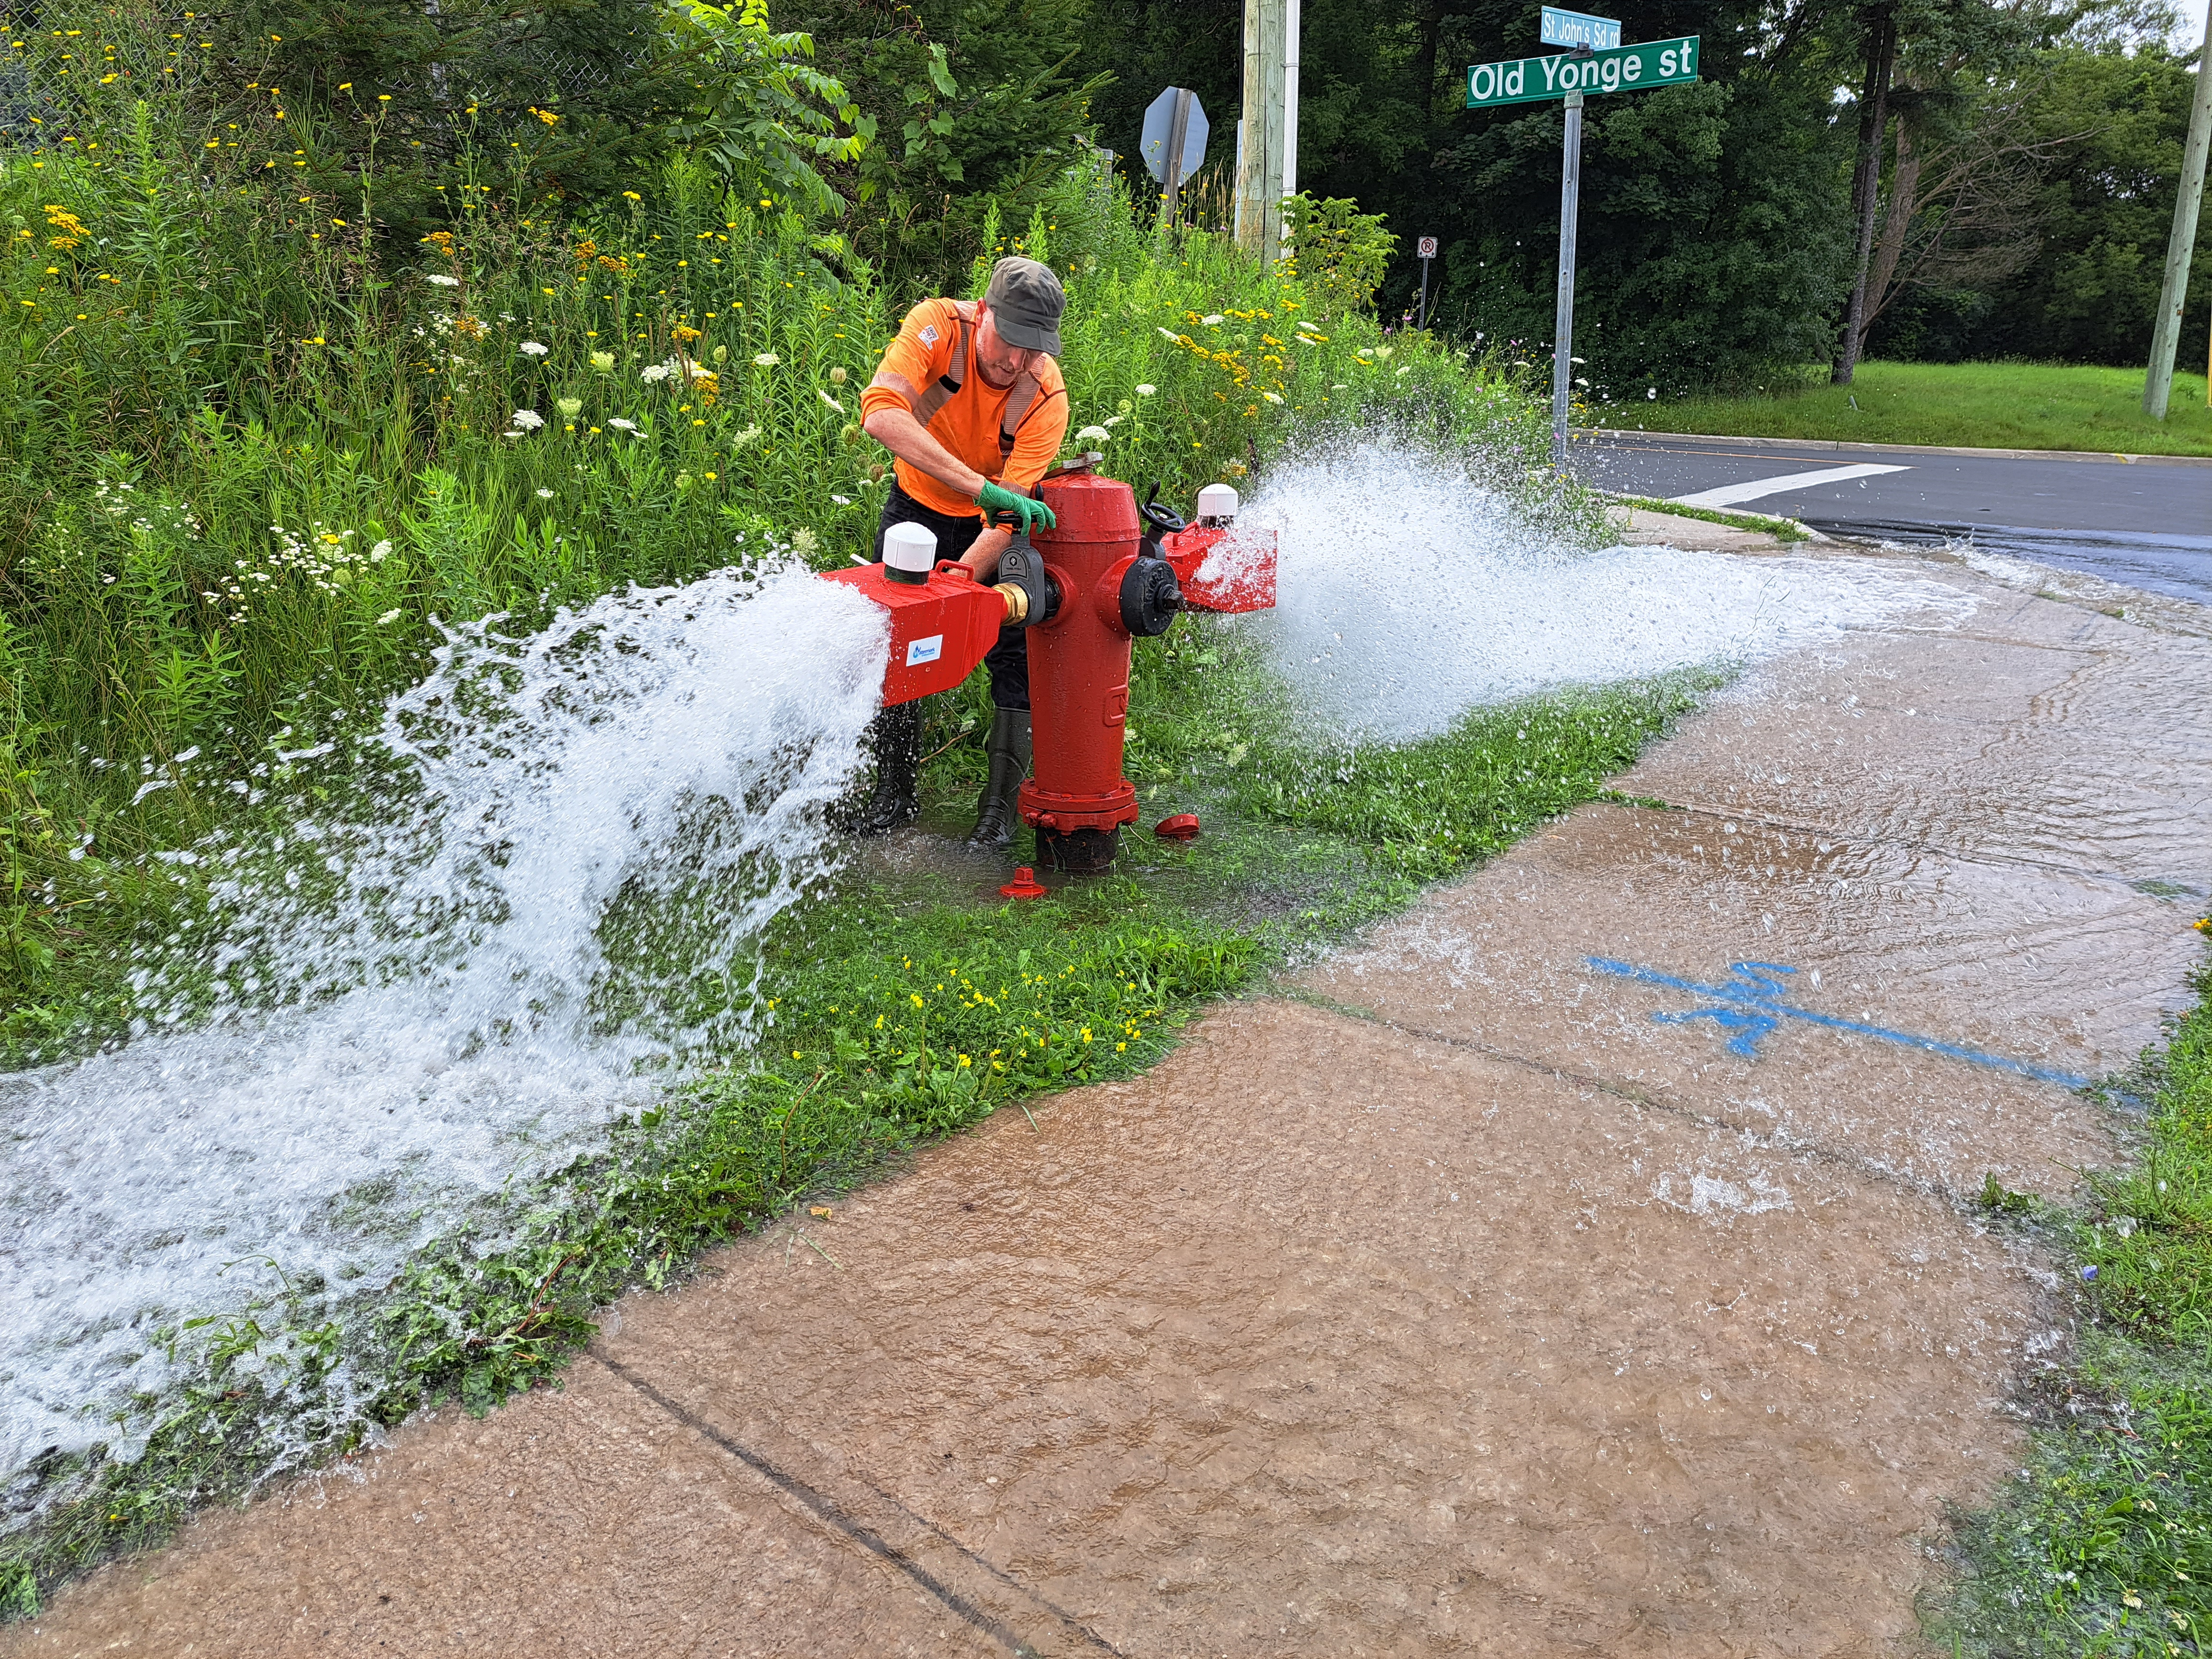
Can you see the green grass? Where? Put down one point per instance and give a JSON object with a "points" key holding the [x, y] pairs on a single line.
{"points": [[2102, 1545], [1786, 530], [1964, 405]]}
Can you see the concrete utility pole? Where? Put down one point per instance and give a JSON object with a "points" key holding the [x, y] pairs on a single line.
{"points": [[2166, 336], [1268, 132]]}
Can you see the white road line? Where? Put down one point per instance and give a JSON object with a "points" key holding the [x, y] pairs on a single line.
{"points": [[1729, 494]]}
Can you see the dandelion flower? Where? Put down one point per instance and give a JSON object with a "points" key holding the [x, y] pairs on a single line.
{"points": [[439, 279], [534, 348], [527, 420], [602, 360], [621, 425], [766, 359], [1093, 434], [829, 400], [1147, 391], [569, 407]]}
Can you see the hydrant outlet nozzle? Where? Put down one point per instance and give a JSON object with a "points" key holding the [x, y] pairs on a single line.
{"points": [[1018, 603]]}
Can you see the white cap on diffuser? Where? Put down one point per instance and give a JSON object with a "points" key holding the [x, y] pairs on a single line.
{"points": [[911, 547], [1216, 502]]}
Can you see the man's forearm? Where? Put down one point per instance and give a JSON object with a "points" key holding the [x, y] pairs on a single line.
{"points": [[897, 430], [982, 558]]}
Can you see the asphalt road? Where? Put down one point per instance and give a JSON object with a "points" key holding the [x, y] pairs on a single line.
{"points": [[2145, 523]]}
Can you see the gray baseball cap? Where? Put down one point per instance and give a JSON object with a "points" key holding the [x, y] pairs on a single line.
{"points": [[1027, 300]]}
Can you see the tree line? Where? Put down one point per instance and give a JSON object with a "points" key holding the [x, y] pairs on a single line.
{"points": [[2004, 174]]}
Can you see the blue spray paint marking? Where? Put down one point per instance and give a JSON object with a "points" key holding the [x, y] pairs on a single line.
{"points": [[1752, 1005]]}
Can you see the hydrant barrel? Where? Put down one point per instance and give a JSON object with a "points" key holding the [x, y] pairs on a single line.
{"points": [[1078, 799]]}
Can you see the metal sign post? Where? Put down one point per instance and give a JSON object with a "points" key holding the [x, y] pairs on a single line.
{"points": [[1428, 250], [1173, 143], [1599, 63], [1563, 329]]}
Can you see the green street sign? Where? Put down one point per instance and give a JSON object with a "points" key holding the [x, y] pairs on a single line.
{"points": [[1619, 68]]}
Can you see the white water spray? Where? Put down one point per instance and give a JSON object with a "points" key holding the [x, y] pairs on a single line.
{"points": [[544, 901], [1409, 593]]}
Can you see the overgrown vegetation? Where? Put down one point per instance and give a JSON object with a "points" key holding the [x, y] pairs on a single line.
{"points": [[249, 443], [2103, 1543]]}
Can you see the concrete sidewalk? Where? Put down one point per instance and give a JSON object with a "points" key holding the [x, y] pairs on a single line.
{"points": [[1446, 1301]]}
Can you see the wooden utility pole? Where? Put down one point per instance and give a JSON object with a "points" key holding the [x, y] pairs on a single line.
{"points": [[2166, 334], [1267, 131]]}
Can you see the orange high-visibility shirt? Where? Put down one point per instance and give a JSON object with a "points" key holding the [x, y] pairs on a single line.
{"points": [[968, 425]]}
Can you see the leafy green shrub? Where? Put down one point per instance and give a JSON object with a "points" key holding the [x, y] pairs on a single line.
{"points": [[1341, 253]]}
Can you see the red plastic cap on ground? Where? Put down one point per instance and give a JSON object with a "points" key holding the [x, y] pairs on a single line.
{"points": [[1180, 826], [1023, 885]]}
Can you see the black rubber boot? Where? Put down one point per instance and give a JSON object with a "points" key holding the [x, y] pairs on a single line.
{"points": [[895, 736], [997, 817]]}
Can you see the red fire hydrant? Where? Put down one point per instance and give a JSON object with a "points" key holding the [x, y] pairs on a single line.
{"points": [[1082, 590], [1080, 668]]}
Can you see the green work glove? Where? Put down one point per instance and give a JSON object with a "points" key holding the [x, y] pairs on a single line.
{"points": [[995, 499]]}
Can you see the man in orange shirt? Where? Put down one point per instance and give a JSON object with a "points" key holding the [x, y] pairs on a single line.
{"points": [[970, 403]]}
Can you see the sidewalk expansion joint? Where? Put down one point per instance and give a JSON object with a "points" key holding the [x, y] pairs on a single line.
{"points": [[827, 1510], [1865, 1167], [1845, 837]]}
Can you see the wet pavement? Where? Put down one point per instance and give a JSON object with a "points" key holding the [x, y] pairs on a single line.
{"points": [[1584, 1263], [2145, 521]]}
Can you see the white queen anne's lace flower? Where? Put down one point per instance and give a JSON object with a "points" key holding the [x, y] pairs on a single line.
{"points": [[654, 373], [621, 425], [527, 420], [535, 347], [1097, 435], [439, 279], [767, 359]]}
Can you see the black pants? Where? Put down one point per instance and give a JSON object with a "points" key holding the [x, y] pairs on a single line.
{"points": [[1009, 660]]}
